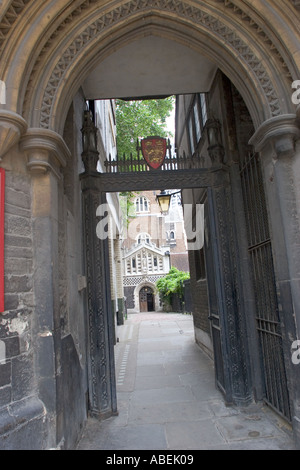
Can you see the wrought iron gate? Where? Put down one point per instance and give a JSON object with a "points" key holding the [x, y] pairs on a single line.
{"points": [[228, 331], [213, 304], [267, 314]]}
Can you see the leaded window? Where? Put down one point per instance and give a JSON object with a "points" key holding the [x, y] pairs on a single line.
{"points": [[196, 120], [142, 204]]}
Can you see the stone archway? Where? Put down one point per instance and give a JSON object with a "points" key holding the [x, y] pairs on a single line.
{"points": [[146, 299], [232, 35], [138, 293], [202, 28]]}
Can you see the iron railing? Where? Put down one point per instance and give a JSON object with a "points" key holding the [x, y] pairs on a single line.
{"points": [[124, 164], [267, 312]]}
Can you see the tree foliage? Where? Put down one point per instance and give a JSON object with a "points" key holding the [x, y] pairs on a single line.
{"points": [[172, 283], [127, 205], [136, 120], [139, 119]]}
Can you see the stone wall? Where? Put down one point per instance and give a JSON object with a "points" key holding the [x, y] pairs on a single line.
{"points": [[43, 371], [19, 402], [73, 378]]}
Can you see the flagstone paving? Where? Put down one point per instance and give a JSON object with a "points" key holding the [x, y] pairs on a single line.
{"points": [[167, 399]]}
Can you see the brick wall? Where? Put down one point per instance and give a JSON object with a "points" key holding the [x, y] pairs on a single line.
{"points": [[129, 294], [15, 322], [18, 242]]}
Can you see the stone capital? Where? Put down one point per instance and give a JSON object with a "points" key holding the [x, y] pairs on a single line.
{"points": [[45, 150], [281, 132], [12, 127]]}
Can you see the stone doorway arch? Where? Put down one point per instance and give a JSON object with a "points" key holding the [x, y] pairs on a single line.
{"points": [[146, 299], [140, 290]]}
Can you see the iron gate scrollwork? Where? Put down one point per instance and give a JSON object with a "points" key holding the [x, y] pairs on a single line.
{"points": [[101, 367], [214, 316], [223, 279], [267, 312], [226, 315]]}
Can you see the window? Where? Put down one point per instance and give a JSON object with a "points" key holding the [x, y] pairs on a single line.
{"points": [[196, 120], [143, 238], [142, 204], [191, 135], [171, 237], [203, 108]]}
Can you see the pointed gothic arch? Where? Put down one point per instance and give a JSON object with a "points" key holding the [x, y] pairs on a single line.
{"points": [[72, 39]]}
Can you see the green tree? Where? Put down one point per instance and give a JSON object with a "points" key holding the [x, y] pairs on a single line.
{"points": [[139, 119], [136, 120], [171, 284]]}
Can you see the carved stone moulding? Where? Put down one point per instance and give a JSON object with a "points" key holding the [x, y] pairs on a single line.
{"points": [[203, 20], [45, 150], [281, 131], [12, 127]]}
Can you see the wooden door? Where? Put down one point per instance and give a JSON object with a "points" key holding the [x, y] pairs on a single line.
{"points": [[143, 300], [146, 299]]}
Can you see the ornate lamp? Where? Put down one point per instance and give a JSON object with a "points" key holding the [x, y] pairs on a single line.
{"points": [[163, 200]]}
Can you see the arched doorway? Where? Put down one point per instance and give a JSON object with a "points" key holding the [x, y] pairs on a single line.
{"points": [[147, 299], [70, 42]]}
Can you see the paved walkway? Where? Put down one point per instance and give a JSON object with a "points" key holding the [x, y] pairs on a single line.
{"points": [[167, 398]]}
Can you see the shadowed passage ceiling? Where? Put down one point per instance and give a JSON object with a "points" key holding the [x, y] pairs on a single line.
{"points": [[149, 66]]}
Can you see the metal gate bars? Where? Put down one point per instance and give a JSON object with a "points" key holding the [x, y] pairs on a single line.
{"points": [[267, 313]]}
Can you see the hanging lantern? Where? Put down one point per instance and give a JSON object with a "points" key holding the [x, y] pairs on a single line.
{"points": [[163, 200]]}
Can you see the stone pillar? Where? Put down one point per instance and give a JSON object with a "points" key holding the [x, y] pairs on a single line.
{"points": [[12, 126], [101, 368], [20, 407], [46, 152], [277, 141]]}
